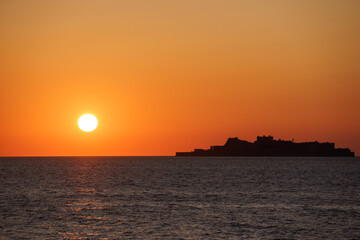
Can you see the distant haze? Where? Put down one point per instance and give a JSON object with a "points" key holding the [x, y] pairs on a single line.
{"points": [[167, 76]]}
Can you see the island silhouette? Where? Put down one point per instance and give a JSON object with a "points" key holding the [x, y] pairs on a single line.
{"points": [[267, 146]]}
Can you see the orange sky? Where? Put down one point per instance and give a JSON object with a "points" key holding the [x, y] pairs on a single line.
{"points": [[167, 76]]}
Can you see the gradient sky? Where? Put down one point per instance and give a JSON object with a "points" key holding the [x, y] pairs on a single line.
{"points": [[167, 76]]}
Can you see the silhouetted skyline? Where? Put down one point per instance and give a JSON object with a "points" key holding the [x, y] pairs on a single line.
{"points": [[267, 146]]}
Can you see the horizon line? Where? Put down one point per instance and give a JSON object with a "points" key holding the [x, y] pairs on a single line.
{"points": [[108, 156], [86, 156]]}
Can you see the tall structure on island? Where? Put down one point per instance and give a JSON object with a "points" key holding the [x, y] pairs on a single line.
{"points": [[267, 146]]}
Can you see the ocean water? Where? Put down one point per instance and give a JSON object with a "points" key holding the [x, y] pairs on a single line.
{"points": [[179, 198]]}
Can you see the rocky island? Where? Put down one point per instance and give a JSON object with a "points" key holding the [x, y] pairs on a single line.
{"points": [[267, 146]]}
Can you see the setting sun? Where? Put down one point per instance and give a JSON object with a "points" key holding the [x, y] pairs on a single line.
{"points": [[87, 123]]}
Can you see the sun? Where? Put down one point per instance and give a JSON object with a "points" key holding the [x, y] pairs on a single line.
{"points": [[87, 122]]}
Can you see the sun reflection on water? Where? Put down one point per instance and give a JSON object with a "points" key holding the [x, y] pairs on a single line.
{"points": [[85, 210]]}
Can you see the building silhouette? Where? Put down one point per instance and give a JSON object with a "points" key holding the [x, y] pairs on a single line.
{"points": [[267, 146]]}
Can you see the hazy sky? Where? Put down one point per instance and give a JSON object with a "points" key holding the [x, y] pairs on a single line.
{"points": [[166, 76]]}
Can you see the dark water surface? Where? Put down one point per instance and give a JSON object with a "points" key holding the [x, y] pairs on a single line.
{"points": [[179, 198]]}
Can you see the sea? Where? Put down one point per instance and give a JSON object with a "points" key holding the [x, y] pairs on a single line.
{"points": [[179, 198]]}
